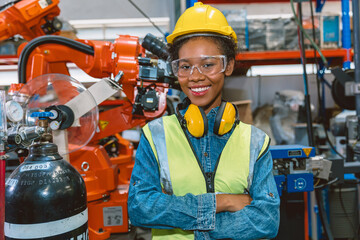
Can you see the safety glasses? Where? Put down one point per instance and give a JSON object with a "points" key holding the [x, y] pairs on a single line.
{"points": [[206, 65]]}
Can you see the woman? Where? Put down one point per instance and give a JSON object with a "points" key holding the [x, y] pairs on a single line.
{"points": [[201, 173]]}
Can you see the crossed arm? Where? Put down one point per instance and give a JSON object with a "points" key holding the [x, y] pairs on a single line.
{"points": [[217, 216]]}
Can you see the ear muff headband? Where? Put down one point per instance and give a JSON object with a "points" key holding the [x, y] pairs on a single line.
{"points": [[219, 117], [196, 121], [225, 118]]}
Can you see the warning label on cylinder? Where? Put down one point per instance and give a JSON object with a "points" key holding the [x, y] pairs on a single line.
{"points": [[32, 167]]}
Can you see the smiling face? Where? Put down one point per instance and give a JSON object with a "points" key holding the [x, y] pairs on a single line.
{"points": [[203, 90]]}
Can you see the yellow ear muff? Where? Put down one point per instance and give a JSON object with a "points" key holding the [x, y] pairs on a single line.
{"points": [[225, 118], [196, 121]]}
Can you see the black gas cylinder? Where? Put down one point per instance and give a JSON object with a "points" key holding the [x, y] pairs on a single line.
{"points": [[45, 198]]}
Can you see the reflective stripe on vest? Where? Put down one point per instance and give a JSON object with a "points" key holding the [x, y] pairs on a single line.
{"points": [[180, 172]]}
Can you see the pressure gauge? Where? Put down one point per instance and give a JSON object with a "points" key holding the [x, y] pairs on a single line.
{"points": [[14, 111]]}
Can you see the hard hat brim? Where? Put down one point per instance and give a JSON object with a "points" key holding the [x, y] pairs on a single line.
{"points": [[204, 34]]}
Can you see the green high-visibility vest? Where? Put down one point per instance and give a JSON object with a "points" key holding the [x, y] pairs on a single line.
{"points": [[181, 173]]}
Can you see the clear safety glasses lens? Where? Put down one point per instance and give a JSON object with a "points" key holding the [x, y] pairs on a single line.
{"points": [[206, 65]]}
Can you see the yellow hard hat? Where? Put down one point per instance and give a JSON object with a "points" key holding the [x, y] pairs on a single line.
{"points": [[202, 19]]}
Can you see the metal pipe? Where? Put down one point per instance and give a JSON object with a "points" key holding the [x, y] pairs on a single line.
{"points": [[306, 83], [318, 194], [346, 33], [323, 215], [356, 28]]}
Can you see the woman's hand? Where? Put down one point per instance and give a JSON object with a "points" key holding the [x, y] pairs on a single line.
{"points": [[232, 202]]}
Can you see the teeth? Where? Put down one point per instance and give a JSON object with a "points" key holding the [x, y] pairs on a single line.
{"points": [[200, 89]]}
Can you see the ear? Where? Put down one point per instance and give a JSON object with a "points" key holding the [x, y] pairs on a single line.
{"points": [[230, 67]]}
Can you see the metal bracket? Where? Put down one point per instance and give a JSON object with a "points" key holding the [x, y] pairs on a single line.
{"points": [[341, 76], [321, 166]]}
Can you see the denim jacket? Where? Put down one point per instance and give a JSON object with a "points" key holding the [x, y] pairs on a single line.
{"points": [[149, 207]]}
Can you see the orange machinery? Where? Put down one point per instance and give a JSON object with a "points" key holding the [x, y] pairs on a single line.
{"points": [[107, 178], [30, 19]]}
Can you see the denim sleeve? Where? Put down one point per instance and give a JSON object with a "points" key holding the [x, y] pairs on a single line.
{"points": [[261, 218], [149, 207]]}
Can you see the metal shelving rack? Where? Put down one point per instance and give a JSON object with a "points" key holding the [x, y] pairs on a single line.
{"points": [[246, 59]]}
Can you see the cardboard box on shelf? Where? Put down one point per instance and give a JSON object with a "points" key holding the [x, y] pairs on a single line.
{"points": [[244, 108]]}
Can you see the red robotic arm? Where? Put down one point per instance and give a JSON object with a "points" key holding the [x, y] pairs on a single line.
{"points": [[30, 19], [145, 82], [141, 75]]}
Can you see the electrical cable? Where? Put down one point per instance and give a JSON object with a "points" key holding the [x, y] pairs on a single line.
{"points": [[302, 59], [25, 54], [331, 145], [323, 217], [297, 21], [327, 184], [346, 214], [318, 80], [317, 182], [318, 192], [322, 121], [306, 88], [315, 60], [144, 14]]}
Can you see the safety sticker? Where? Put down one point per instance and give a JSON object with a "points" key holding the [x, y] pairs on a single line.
{"points": [[300, 184], [43, 3], [307, 151], [103, 124], [113, 216]]}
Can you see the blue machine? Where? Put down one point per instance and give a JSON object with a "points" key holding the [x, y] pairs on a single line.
{"points": [[290, 168], [280, 182], [300, 182], [291, 151]]}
